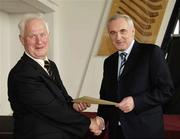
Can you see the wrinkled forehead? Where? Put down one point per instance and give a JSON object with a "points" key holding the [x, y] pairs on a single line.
{"points": [[35, 25], [118, 24]]}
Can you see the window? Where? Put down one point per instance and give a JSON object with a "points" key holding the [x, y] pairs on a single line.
{"points": [[173, 28], [176, 30]]}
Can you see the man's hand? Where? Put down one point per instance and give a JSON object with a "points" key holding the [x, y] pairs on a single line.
{"points": [[100, 122], [97, 125], [81, 106], [126, 105]]}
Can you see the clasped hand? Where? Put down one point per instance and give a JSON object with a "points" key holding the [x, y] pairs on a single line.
{"points": [[97, 125]]}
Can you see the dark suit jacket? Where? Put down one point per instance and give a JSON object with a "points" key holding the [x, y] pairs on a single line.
{"points": [[147, 79], [42, 108], [173, 106]]}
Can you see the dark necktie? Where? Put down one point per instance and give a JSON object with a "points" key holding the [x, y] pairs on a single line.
{"points": [[47, 65], [123, 60]]}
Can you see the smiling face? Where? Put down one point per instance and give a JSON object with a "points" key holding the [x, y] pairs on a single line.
{"points": [[121, 33], [35, 39]]}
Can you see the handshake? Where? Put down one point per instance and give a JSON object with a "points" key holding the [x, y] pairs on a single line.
{"points": [[97, 125]]}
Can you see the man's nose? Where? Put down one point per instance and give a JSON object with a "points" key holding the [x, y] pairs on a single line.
{"points": [[118, 36], [38, 39]]}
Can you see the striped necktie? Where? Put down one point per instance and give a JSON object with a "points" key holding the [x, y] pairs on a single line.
{"points": [[123, 60], [47, 65]]}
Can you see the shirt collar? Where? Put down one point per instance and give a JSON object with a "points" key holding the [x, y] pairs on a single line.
{"points": [[39, 61], [128, 50]]}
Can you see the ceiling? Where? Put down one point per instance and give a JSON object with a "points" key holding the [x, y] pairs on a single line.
{"points": [[25, 6]]}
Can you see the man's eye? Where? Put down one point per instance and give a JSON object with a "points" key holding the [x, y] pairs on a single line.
{"points": [[123, 31], [43, 34], [112, 32], [32, 36]]}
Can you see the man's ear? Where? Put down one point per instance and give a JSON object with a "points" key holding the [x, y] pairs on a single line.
{"points": [[133, 31], [21, 39]]}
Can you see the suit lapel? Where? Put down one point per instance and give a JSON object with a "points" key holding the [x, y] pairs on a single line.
{"points": [[36, 66], [113, 66], [132, 60], [49, 82], [55, 73]]}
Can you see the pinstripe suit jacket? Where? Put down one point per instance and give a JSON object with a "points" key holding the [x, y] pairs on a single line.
{"points": [[41, 107]]}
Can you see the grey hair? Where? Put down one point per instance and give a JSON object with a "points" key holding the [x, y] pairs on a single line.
{"points": [[29, 17], [123, 16]]}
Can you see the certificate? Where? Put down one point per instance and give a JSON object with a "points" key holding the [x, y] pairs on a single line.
{"points": [[92, 100]]}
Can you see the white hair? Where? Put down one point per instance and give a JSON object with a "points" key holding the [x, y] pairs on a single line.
{"points": [[124, 16], [29, 17]]}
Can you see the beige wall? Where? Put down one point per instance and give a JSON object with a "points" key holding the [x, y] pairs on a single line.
{"points": [[4, 61]]}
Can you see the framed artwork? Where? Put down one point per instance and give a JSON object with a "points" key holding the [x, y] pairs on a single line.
{"points": [[147, 16]]}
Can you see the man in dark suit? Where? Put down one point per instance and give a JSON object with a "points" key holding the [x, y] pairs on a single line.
{"points": [[42, 108], [138, 80]]}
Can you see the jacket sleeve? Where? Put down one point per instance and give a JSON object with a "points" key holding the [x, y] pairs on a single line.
{"points": [[161, 88]]}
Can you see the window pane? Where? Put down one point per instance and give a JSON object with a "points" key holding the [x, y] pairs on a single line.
{"points": [[176, 30]]}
